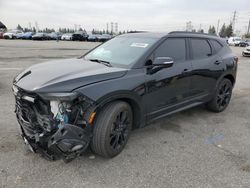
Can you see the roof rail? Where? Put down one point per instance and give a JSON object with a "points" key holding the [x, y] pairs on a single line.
{"points": [[189, 32]]}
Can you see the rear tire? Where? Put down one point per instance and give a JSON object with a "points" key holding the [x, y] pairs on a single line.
{"points": [[112, 129], [221, 96]]}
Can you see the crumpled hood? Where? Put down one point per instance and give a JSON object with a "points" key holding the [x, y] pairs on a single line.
{"points": [[65, 75]]}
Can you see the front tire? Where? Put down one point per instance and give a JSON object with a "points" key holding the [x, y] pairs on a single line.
{"points": [[112, 129], [221, 96]]}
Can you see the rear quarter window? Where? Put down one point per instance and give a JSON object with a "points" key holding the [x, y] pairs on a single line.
{"points": [[201, 48], [217, 46]]}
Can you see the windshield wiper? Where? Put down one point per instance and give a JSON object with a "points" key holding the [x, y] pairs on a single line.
{"points": [[101, 61]]}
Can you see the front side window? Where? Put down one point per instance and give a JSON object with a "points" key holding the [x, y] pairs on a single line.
{"points": [[121, 51], [201, 48], [174, 48]]}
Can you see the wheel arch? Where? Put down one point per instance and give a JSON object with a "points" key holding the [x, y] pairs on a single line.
{"points": [[134, 103], [231, 78]]}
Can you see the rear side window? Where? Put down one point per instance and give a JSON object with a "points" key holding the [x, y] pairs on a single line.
{"points": [[201, 48], [172, 47], [217, 46]]}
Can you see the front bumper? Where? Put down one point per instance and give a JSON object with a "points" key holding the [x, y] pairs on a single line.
{"points": [[246, 53], [47, 136]]}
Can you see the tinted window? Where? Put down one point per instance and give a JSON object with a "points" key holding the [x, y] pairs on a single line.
{"points": [[201, 48], [174, 48], [217, 46]]}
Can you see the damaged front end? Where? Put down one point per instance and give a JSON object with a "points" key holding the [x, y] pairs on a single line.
{"points": [[54, 125]]}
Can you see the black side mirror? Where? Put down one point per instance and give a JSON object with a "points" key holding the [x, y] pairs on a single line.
{"points": [[163, 62], [160, 63]]}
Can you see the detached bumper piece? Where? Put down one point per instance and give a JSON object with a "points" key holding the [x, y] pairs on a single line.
{"points": [[66, 143], [44, 134], [69, 142]]}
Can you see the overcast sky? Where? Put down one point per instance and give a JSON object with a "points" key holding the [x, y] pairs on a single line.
{"points": [[152, 15]]}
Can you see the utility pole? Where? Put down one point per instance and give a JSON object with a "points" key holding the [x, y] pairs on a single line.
{"points": [[218, 25], [189, 26], [234, 19], [30, 26], [37, 28], [248, 29], [116, 27], [107, 28], [112, 27]]}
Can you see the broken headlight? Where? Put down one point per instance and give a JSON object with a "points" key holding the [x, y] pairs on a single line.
{"points": [[59, 96]]}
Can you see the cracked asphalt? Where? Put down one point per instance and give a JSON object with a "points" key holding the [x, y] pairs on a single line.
{"points": [[193, 148]]}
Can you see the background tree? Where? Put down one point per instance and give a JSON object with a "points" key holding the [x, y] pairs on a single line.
{"points": [[201, 31], [222, 32], [34, 29], [247, 35], [19, 27], [211, 30], [229, 30]]}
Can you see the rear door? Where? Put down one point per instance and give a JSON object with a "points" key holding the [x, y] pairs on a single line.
{"points": [[207, 66]]}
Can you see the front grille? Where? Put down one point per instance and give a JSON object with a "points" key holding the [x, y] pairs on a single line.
{"points": [[33, 115], [27, 118]]}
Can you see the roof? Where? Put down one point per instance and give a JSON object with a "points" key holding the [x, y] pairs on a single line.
{"points": [[173, 33], [145, 35]]}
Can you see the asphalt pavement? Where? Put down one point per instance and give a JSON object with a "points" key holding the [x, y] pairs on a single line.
{"points": [[193, 148]]}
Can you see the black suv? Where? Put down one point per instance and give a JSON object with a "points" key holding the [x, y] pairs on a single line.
{"points": [[65, 106], [79, 36]]}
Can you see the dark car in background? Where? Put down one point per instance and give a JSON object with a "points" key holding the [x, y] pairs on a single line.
{"points": [[93, 37], [79, 36], [127, 82], [40, 36], [244, 43]]}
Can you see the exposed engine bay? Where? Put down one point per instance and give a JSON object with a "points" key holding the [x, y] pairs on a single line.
{"points": [[56, 129]]}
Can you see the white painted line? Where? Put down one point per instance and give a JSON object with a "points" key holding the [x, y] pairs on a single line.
{"points": [[6, 69]]}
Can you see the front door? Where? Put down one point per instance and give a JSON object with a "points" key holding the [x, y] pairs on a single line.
{"points": [[169, 86]]}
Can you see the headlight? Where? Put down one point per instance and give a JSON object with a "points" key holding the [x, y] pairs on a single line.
{"points": [[59, 96]]}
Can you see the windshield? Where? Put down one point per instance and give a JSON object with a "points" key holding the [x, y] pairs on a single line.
{"points": [[121, 51]]}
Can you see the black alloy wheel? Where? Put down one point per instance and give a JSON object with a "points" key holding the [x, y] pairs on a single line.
{"points": [[222, 96], [119, 132], [112, 129]]}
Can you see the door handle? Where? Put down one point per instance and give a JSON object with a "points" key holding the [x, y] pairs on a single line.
{"points": [[217, 62], [185, 70]]}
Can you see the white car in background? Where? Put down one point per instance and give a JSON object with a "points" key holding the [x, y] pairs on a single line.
{"points": [[246, 52], [67, 36], [234, 41], [12, 34]]}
